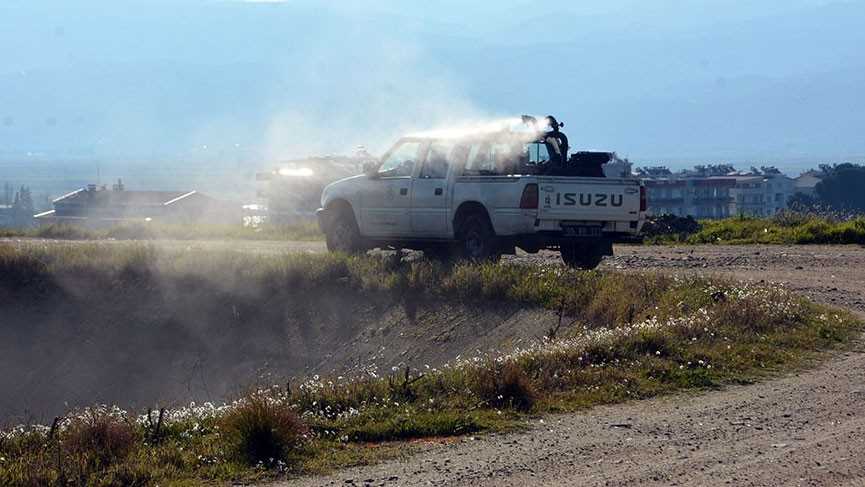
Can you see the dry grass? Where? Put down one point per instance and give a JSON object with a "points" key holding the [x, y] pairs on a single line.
{"points": [[173, 231], [263, 431]]}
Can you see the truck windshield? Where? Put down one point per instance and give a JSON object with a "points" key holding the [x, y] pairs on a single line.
{"points": [[401, 161]]}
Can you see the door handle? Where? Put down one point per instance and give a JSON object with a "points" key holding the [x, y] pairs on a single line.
{"points": [[438, 191], [403, 191]]}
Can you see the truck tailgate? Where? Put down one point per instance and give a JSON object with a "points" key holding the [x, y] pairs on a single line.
{"points": [[595, 199]]}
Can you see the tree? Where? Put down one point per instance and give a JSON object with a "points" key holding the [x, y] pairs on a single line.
{"points": [[653, 172], [841, 188], [7, 194], [804, 203], [22, 208], [714, 169]]}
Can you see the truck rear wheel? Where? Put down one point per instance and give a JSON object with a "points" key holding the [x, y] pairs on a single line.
{"points": [[477, 240], [343, 234], [585, 255]]}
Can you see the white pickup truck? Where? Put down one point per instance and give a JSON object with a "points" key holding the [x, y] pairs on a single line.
{"points": [[481, 195]]}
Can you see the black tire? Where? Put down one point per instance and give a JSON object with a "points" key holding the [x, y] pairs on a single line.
{"points": [[582, 255], [342, 234], [477, 240]]}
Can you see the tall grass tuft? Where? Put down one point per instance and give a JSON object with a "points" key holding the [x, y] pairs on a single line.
{"points": [[505, 385], [94, 441], [262, 430]]}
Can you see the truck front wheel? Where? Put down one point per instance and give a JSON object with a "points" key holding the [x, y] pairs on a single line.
{"points": [[343, 234], [477, 239], [585, 255]]}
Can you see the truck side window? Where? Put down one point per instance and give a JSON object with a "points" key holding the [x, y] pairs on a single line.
{"points": [[439, 158], [494, 159], [538, 153], [479, 160], [505, 158], [401, 160]]}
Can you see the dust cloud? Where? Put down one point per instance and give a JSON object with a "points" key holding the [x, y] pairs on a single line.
{"points": [[163, 328]]}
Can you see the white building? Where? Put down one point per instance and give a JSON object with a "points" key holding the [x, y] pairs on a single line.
{"points": [[806, 183], [618, 168], [761, 195]]}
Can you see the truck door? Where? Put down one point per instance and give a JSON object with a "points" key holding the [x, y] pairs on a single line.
{"points": [[430, 196], [387, 198]]}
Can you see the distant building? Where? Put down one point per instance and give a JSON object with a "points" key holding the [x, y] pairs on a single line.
{"points": [[706, 197], [712, 197], [618, 168], [806, 183], [761, 195], [98, 206]]}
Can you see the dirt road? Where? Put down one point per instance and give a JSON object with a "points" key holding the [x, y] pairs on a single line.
{"points": [[804, 429]]}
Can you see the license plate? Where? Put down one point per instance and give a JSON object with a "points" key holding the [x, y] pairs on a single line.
{"points": [[581, 231]]}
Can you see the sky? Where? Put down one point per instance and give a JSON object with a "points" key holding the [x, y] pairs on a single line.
{"points": [[227, 82]]}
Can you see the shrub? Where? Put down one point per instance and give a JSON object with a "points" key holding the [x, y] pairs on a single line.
{"points": [[263, 429], [671, 226], [96, 439], [505, 385]]}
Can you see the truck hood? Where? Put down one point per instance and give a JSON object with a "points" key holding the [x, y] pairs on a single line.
{"points": [[343, 188]]}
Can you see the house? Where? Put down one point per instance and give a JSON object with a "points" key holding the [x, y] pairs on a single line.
{"points": [[97, 206]]}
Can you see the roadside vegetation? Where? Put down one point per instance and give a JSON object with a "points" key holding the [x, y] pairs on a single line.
{"points": [[619, 337], [153, 231], [784, 228]]}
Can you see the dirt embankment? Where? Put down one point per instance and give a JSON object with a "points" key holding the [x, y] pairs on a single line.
{"points": [[143, 339]]}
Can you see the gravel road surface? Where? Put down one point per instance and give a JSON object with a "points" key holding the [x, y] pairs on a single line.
{"points": [[807, 428]]}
